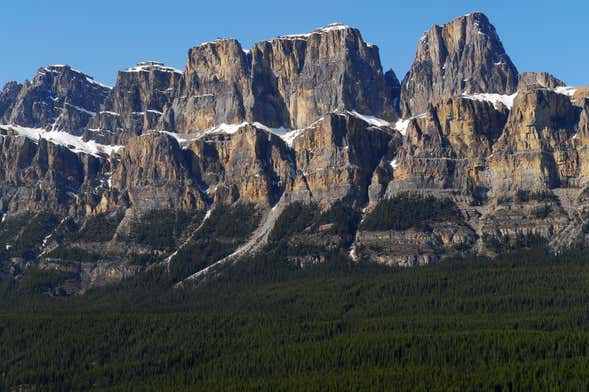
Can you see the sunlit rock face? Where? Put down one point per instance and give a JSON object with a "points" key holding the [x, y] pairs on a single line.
{"points": [[464, 55]]}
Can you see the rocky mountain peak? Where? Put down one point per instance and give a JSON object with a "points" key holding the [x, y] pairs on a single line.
{"points": [[464, 55], [58, 97], [297, 78], [289, 81], [300, 118], [136, 102]]}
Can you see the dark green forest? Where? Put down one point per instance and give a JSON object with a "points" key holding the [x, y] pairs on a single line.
{"points": [[519, 321]]}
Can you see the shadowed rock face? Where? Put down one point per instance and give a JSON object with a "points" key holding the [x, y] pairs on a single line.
{"points": [[43, 175], [8, 96], [336, 158], [136, 103], [464, 55], [58, 98]]}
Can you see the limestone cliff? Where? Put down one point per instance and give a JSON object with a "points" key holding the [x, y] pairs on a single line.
{"points": [[103, 183], [59, 98], [136, 103], [464, 55]]}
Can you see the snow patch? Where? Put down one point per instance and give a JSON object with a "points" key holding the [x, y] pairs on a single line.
{"points": [[402, 124], [110, 113], [74, 143], [146, 66], [286, 134], [566, 90], [506, 100], [325, 29], [92, 81], [81, 109], [372, 120]]}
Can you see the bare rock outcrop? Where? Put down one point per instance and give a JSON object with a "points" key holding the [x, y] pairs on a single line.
{"points": [[464, 55], [542, 79], [536, 151], [136, 103], [58, 98], [447, 148]]}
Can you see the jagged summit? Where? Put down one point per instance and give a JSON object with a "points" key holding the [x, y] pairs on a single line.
{"points": [[60, 69], [464, 55], [281, 82]]}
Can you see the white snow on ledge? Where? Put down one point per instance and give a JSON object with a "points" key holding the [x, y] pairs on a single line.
{"points": [[402, 124], [147, 66], [286, 134], [566, 90], [372, 120], [326, 29], [227, 129], [74, 143], [506, 100]]}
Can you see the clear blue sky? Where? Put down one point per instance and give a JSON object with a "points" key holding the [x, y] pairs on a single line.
{"points": [[100, 37]]}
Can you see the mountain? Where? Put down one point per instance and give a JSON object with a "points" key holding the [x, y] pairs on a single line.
{"points": [[300, 147], [462, 56]]}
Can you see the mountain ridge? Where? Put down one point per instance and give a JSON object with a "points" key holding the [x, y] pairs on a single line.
{"points": [[307, 119]]}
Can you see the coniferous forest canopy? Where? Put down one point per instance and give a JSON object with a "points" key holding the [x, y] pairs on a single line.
{"points": [[518, 321]]}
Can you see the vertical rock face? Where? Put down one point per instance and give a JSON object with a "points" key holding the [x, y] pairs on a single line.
{"points": [[536, 149], [58, 98], [154, 172], [36, 176], [289, 81], [216, 89], [250, 165], [336, 158], [8, 96], [581, 140], [298, 78], [448, 146], [542, 79], [464, 55], [136, 103], [393, 88]]}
